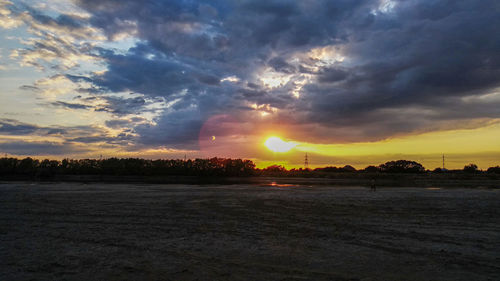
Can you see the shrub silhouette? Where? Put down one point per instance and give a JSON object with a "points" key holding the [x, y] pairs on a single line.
{"points": [[402, 166], [348, 168], [274, 170], [471, 168], [371, 169], [494, 170]]}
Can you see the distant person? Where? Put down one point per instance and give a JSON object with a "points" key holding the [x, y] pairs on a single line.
{"points": [[373, 187]]}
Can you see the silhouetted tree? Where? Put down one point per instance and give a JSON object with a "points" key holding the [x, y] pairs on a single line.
{"points": [[47, 168], [213, 167], [471, 168], [371, 169], [274, 170], [348, 168], [28, 166], [129, 166], [402, 166], [329, 169], [8, 166], [494, 170]]}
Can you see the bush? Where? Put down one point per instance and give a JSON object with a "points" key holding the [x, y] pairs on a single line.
{"points": [[471, 168], [372, 169], [494, 170], [402, 166]]}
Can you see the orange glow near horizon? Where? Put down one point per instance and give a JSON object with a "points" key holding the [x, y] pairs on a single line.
{"points": [[479, 146], [277, 146], [453, 141]]}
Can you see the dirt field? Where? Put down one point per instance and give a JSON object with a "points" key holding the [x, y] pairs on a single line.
{"points": [[247, 232]]}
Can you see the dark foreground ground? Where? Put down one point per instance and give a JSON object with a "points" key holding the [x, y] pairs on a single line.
{"points": [[78, 231]]}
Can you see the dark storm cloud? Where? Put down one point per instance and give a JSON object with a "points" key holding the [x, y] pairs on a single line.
{"points": [[115, 105], [161, 76], [162, 23], [330, 75], [180, 128], [122, 106], [208, 79], [280, 65], [125, 123], [409, 65], [424, 55], [118, 105]]}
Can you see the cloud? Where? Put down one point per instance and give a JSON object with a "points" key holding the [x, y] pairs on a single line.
{"points": [[62, 42], [331, 75], [280, 65], [70, 105], [122, 106], [14, 127], [329, 71], [120, 139], [53, 52], [29, 88], [116, 105], [179, 129], [394, 58], [7, 19], [11, 127], [40, 148], [135, 72], [126, 123]]}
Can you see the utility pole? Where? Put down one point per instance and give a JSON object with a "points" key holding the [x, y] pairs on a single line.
{"points": [[306, 162], [443, 161]]}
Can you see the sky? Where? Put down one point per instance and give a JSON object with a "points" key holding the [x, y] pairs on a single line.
{"points": [[357, 82]]}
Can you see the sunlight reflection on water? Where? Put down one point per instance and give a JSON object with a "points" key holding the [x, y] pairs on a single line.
{"points": [[275, 184]]}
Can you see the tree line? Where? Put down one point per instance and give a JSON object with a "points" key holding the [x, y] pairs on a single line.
{"points": [[126, 167], [213, 167]]}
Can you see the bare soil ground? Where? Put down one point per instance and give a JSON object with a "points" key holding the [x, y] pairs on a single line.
{"points": [[72, 231]]}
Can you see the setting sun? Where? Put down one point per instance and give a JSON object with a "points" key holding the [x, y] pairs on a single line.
{"points": [[278, 145]]}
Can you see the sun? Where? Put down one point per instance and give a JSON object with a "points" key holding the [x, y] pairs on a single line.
{"points": [[278, 145]]}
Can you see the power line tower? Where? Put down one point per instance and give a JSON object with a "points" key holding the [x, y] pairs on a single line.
{"points": [[306, 162]]}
